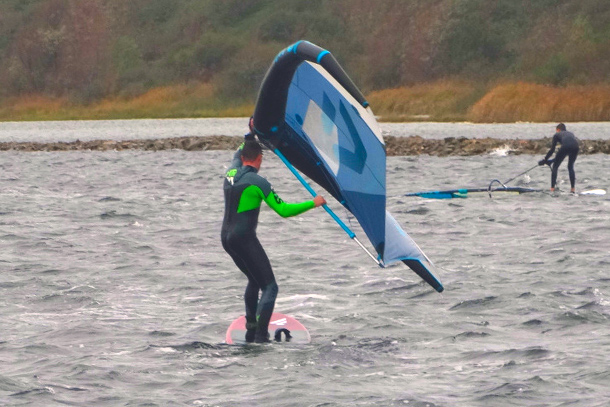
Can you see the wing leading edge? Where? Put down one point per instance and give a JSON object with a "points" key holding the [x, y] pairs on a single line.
{"points": [[310, 111]]}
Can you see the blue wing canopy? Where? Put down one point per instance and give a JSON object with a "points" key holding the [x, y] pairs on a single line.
{"points": [[310, 111]]}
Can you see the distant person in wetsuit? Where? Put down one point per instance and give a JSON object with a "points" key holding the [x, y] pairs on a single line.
{"points": [[244, 192], [569, 147]]}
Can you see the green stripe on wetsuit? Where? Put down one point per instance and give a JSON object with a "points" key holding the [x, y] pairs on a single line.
{"points": [[252, 197]]}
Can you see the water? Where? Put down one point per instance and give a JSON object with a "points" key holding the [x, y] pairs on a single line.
{"points": [[115, 290], [87, 130], [583, 130]]}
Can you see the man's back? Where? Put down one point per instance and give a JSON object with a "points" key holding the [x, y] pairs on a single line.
{"points": [[244, 191], [566, 139]]}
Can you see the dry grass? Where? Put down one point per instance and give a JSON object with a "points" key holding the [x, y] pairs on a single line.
{"points": [[438, 101], [29, 107], [521, 101], [191, 100], [505, 103]]}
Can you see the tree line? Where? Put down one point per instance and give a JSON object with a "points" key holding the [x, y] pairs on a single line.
{"points": [[86, 50]]}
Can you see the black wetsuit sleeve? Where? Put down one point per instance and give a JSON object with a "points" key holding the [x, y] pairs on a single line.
{"points": [[556, 140], [236, 162]]}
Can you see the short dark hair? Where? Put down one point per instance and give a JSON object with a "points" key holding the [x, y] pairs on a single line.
{"points": [[251, 150], [561, 127]]}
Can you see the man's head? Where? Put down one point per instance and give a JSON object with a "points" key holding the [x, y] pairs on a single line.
{"points": [[560, 127], [250, 135], [252, 154]]}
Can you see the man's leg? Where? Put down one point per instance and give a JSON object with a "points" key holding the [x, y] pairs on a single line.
{"points": [[265, 309], [571, 160], [251, 301], [236, 249], [252, 260], [561, 154]]}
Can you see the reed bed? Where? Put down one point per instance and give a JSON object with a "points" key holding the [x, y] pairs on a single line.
{"points": [[507, 103], [177, 101], [439, 101]]}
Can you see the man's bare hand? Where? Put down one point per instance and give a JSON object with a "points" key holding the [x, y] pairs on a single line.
{"points": [[319, 200]]}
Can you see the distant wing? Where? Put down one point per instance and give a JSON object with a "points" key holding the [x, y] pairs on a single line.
{"points": [[469, 192]]}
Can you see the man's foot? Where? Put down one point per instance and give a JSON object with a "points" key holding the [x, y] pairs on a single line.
{"points": [[250, 329], [262, 337], [250, 334]]}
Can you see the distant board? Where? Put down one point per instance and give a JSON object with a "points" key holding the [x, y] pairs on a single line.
{"points": [[472, 192], [593, 192], [282, 328]]}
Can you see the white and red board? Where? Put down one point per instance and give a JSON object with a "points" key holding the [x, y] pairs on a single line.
{"points": [[236, 334]]}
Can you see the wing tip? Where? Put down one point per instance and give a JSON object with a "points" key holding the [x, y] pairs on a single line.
{"points": [[421, 270]]}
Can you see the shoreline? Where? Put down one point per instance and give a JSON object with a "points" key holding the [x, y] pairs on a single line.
{"points": [[395, 146]]}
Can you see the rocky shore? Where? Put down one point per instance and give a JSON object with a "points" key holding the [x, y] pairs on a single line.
{"points": [[395, 146]]}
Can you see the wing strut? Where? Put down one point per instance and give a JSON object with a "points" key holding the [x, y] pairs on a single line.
{"points": [[347, 230]]}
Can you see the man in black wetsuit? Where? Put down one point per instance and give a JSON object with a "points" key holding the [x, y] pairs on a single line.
{"points": [[244, 192], [569, 147]]}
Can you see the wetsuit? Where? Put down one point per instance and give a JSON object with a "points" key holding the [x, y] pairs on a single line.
{"points": [[569, 147], [244, 192]]}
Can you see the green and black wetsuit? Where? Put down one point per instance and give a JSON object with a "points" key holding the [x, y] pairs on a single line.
{"points": [[244, 192]]}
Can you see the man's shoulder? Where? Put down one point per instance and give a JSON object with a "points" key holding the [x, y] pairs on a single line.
{"points": [[260, 181], [259, 178], [246, 175], [566, 135]]}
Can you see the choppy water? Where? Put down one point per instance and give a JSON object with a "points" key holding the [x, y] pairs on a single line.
{"points": [[115, 290]]}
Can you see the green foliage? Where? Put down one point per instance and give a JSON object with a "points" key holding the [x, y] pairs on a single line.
{"points": [[127, 57], [296, 20], [242, 78], [156, 11], [18, 5], [231, 12], [129, 67], [477, 37], [555, 71], [203, 59], [139, 44], [281, 27]]}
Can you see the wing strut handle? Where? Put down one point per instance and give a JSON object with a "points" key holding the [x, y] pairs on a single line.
{"points": [[332, 214]]}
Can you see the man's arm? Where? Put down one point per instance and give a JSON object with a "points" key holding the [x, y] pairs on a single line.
{"points": [[236, 162], [285, 209], [553, 145]]}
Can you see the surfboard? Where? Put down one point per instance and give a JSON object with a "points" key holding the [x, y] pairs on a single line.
{"points": [[593, 192], [473, 192], [282, 328]]}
